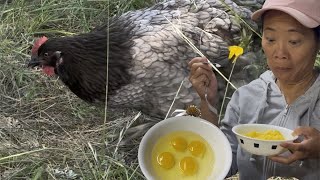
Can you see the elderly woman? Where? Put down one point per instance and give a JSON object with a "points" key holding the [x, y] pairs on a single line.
{"points": [[287, 95]]}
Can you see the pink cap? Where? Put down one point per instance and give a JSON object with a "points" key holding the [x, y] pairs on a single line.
{"points": [[307, 12]]}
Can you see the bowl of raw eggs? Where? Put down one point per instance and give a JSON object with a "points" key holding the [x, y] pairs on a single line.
{"points": [[184, 147], [263, 139]]}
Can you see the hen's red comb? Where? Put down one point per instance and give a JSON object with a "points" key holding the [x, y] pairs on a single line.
{"points": [[37, 44]]}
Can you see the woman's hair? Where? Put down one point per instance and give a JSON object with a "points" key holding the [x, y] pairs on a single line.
{"points": [[317, 32]]}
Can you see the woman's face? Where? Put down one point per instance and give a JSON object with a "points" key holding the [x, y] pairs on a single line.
{"points": [[290, 47]]}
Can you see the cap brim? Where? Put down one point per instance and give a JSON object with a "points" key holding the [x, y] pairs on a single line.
{"points": [[302, 18]]}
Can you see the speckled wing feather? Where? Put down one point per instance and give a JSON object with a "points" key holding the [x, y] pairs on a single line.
{"points": [[160, 55]]}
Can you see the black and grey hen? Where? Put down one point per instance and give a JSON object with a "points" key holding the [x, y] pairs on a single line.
{"points": [[145, 57]]}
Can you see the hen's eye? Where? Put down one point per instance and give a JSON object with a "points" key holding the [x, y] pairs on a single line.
{"points": [[46, 54]]}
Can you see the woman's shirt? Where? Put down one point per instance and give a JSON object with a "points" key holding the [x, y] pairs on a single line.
{"points": [[261, 101]]}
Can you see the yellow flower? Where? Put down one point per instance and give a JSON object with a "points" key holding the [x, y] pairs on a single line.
{"points": [[235, 51]]}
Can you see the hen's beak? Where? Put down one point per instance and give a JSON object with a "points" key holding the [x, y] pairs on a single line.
{"points": [[34, 61]]}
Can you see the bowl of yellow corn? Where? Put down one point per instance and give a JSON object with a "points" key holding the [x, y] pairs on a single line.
{"points": [[263, 139]]}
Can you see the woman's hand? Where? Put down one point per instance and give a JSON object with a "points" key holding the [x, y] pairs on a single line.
{"points": [[202, 77], [308, 148]]}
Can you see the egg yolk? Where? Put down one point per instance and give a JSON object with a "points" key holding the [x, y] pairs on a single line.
{"points": [[267, 135], [188, 166], [179, 144], [197, 148], [166, 160]]}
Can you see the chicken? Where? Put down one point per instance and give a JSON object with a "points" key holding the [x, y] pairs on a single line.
{"points": [[144, 56]]}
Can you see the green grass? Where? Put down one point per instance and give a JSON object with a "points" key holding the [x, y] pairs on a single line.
{"points": [[45, 131]]}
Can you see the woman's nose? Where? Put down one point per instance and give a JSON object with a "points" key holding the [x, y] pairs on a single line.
{"points": [[281, 51]]}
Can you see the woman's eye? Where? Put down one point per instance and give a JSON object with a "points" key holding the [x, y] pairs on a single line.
{"points": [[269, 40], [46, 54], [294, 42]]}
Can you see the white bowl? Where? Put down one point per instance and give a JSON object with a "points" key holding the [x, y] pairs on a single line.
{"points": [[217, 140], [262, 147]]}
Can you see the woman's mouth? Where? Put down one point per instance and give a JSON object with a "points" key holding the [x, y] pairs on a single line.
{"points": [[283, 69]]}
